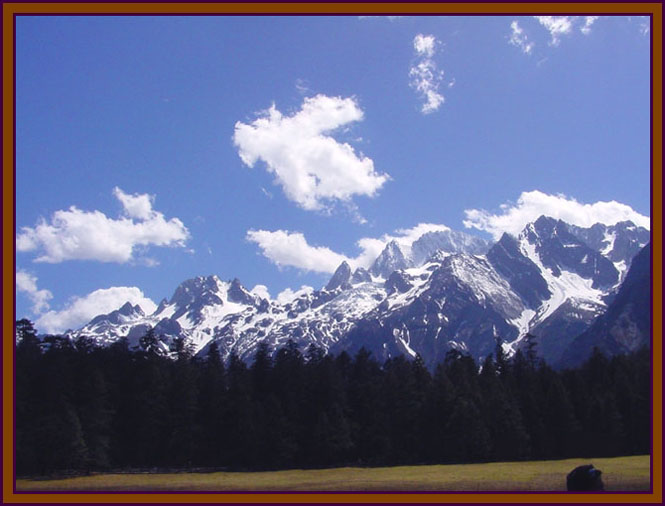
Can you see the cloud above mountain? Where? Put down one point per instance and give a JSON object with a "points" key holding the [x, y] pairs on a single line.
{"points": [[513, 217], [313, 168], [74, 234], [291, 249], [80, 310]]}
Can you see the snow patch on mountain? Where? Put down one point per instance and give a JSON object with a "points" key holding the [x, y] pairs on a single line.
{"points": [[567, 285]]}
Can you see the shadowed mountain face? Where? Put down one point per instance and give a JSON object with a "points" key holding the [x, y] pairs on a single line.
{"points": [[626, 325], [449, 290], [619, 243], [521, 273]]}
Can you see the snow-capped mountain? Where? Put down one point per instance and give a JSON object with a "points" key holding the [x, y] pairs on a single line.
{"points": [[194, 312], [448, 290], [618, 243], [446, 241], [441, 242], [389, 260]]}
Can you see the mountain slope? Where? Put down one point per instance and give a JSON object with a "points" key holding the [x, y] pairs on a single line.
{"points": [[626, 325]]}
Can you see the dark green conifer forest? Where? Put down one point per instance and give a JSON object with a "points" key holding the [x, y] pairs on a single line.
{"points": [[85, 408]]}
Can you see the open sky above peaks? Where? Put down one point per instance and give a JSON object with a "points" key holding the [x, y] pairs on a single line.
{"points": [[150, 150]]}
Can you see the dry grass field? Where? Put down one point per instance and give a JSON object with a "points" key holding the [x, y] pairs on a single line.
{"points": [[619, 474]]}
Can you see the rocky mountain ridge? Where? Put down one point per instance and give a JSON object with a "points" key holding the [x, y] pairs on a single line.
{"points": [[450, 290]]}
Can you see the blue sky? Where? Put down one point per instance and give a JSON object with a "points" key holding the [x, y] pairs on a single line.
{"points": [[150, 150]]}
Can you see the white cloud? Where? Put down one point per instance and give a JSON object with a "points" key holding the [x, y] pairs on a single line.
{"points": [[645, 26], [519, 39], [80, 310], [425, 75], [288, 295], [74, 234], [531, 205], [261, 291], [588, 21], [424, 44], [308, 163], [557, 26], [27, 283], [291, 249], [136, 206]]}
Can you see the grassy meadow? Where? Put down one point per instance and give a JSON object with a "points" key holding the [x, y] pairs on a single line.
{"points": [[619, 474]]}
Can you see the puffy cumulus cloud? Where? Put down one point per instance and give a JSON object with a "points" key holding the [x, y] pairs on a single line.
{"points": [[425, 76], [261, 291], [27, 284], [74, 234], [531, 205], [136, 206], [80, 310], [308, 163], [519, 39], [557, 26], [285, 248], [291, 249], [588, 21]]}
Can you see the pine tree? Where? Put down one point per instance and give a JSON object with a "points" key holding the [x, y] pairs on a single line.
{"points": [[211, 405], [561, 425], [95, 413], [28, 396], [368, 411], [439, 406], [240, 417], [150, 343], [405, 396], [182, 427], [502, 417], [261, 371]]}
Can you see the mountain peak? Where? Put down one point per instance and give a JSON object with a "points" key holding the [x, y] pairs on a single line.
{"points": [[340, 278], [545, 225], [391, 259], [128, 310], [360, 275], [125, 313], [239, 294], [195, 293], [448, 242]]}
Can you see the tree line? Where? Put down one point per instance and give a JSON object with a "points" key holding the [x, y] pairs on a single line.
{"points": [[80, 407]]}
